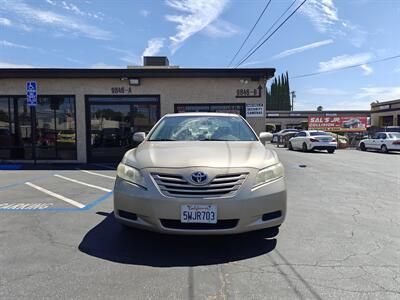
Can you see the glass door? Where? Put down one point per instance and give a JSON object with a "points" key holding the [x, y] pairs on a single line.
{"points": [[113, 121]]}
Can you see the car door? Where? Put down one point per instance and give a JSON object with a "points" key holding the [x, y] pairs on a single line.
{"points": [[300, 139], [373, 142], [381, 140]]}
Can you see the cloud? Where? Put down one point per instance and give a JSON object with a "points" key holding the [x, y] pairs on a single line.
{"points": [[221, 28], [5, 22], [344, 61], [12, 45], [367, 69], [76, 10], [62, 23], [126, 56], [326, 92], [322, 13], [101, 65], [303, 48], [11, 65], [144, 12], [324, 16], [52, 2], [379, 93], [153, 47], [195, 16]]}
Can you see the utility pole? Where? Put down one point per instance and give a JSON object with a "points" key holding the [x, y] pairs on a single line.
{"points": [[293, 93]]}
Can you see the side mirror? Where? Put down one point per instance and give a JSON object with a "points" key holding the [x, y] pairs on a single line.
{"points": [[265, 137], [139, 137]]}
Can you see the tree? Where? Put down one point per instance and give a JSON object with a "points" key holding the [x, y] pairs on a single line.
{"points": [[278, 97], [320, 108]]}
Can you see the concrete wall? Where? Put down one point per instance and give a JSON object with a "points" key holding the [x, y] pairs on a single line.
{"points": [[171, 91]]}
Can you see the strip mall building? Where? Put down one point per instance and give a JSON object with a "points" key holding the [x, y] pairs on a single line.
{"points": [[90, 115]]}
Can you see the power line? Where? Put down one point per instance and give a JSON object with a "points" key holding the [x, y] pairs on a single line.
{"points": [[348, 67], [272, 26], [283, 23], [248, 35]]}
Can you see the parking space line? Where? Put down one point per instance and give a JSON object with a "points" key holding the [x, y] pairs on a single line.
{"points": [[83, 183], [70, 201], [97, 174]]}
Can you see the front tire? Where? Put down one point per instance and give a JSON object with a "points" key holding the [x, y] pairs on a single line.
{"points": [[362, 147], [384, 149], [331, 151], [304, 148]]}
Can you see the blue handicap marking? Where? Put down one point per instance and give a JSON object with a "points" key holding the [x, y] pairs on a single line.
{"points": [[31, 93]]}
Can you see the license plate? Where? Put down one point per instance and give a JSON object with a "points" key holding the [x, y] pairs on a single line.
{"points": [[196, 213]]}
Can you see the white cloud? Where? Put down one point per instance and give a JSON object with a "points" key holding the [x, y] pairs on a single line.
{"points": [[11, 65], [101, 65], [153, 47], [5, 22], [62, 23], [379, 93], [323, 14], [327, 92], [303, 48], [12, 45], [52, 2], [367, 69], [221, 28], [344, 61], [195, 16], [126, 56], [144, 12]]}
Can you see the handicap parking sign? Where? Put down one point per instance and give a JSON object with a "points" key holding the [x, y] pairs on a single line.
{"points": [[31, 96]]}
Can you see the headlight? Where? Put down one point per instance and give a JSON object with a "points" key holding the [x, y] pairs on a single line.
{"points": [[130, 174], [269, 174]]}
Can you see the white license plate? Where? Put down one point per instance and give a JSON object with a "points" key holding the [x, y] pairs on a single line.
{"points": [[198, 213]]}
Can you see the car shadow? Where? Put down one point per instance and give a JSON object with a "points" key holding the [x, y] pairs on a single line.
{"points": [[110, 241]]}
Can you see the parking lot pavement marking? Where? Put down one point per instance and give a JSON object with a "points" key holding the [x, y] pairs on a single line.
{"points": [[70, 201], [83, 183], [98, 174]]}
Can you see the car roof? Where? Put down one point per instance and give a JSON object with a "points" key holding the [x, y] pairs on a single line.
{"points": [[215, 114]]}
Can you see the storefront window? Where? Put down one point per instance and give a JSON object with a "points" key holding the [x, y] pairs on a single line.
{"points": [[55, 128], [237, 108]]}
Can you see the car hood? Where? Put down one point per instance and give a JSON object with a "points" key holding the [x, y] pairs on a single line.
{"points": [[200, 154]]}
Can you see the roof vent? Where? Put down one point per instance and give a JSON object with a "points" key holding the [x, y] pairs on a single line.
{"points": [[155, 61]]}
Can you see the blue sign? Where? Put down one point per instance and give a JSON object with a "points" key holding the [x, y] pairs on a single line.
{"points": [[31, 95]]}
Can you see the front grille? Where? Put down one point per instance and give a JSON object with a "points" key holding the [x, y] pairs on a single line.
{"points": [[177, 186], [221, 224]]}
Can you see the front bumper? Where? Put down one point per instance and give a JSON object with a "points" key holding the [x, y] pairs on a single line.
{"points": [[236, 214]]}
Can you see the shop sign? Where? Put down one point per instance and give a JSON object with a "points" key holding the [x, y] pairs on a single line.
{"points": [[336, 124], [118, 90], [254, 110], [249, 93], [383, 107]]}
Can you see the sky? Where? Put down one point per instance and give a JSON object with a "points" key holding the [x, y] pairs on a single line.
{"points": [[323, 35]]}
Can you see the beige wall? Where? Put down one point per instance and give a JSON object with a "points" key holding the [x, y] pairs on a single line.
{"points": [[171, 91], [375, 117]]}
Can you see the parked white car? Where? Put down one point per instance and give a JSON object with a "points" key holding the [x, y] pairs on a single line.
{"points": [[384, 141], [309, 140]]}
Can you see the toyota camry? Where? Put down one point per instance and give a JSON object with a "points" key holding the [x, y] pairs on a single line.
{"points": [[200, 173]]}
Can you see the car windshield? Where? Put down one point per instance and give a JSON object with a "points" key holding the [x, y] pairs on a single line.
{"points": [[202, 128], [318, 133]]}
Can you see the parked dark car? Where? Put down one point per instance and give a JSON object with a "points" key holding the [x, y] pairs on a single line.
{"points": [[276, 135], [111, 137], [352, 123]]}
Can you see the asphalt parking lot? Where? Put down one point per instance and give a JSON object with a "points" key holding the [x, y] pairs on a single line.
{"points": [[341, 239]]}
